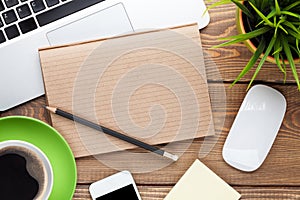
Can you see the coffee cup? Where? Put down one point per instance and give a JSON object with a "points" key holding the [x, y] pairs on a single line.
{"points": [[25, 171]]}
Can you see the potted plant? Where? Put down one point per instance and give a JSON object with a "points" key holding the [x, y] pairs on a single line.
{"points": [[271, 30]]}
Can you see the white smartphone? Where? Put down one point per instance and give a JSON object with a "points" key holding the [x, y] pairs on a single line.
{"points": [[115, 187]]}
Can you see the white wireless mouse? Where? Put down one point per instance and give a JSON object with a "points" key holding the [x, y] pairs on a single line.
{"points": [[255, 128]]}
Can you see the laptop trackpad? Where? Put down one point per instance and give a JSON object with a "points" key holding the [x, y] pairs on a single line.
{"points": [[108, 22]]}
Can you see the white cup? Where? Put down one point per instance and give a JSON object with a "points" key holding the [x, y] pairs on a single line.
{"points": [[37, 164]]}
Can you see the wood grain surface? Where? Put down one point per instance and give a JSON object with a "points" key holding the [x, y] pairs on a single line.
{"points": [[249, 193], [277, 178]]}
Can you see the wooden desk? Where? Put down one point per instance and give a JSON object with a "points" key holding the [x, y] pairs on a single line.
{"points": [[279, 176]]}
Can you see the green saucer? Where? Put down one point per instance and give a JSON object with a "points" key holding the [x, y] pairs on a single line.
{"points": [[52, 144]]}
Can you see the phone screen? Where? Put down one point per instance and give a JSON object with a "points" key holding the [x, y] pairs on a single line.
{"points": [[126, 192]]}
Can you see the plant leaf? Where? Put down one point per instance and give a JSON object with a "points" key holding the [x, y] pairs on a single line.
{"points": [[297, 45], [284, 67], [278, 63], [242, 37], [286, 32], [277, 49], [277, 8], [292, 5], [244, 9], [253, 1], [269, 16], [296, 23], [262, 15], [289, 56], [218, 3], [263, 59], [296, 50], [279, 26], [264, 4], [252, 61], [291, 25], [290, 14], [293, 33]]}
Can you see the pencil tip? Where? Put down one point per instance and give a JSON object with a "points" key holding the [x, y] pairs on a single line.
{"points": [[51, 109]]}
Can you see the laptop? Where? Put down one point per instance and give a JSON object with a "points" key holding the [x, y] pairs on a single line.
{"points": [[26, 25]]}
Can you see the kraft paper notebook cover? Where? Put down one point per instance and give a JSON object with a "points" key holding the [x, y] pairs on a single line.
{"points": [[150, 85]]}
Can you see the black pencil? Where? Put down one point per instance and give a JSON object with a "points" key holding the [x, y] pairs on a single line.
{"points": [[112, 133]]}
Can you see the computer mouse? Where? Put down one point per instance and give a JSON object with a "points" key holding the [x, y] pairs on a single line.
{"points": [[255, 128]]}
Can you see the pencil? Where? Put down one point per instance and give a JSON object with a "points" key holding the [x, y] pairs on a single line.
{"points": [[112, 133]]}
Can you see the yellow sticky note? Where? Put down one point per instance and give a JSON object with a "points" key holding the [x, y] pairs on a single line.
{"points": [[199, 182]]}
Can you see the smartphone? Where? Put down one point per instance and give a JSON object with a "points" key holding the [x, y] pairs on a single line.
{"points": [[115, 187]]}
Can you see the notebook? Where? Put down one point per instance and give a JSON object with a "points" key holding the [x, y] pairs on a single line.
{"points": [[138, 84], [199, 182]]}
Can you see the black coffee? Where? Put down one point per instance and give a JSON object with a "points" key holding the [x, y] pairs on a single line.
{"points": [[15, 181]]}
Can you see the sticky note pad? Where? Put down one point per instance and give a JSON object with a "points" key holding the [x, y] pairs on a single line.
{"points": [[199, 182]]}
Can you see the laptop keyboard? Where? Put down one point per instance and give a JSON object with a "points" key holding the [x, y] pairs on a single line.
{"points": [[19, 17]]}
